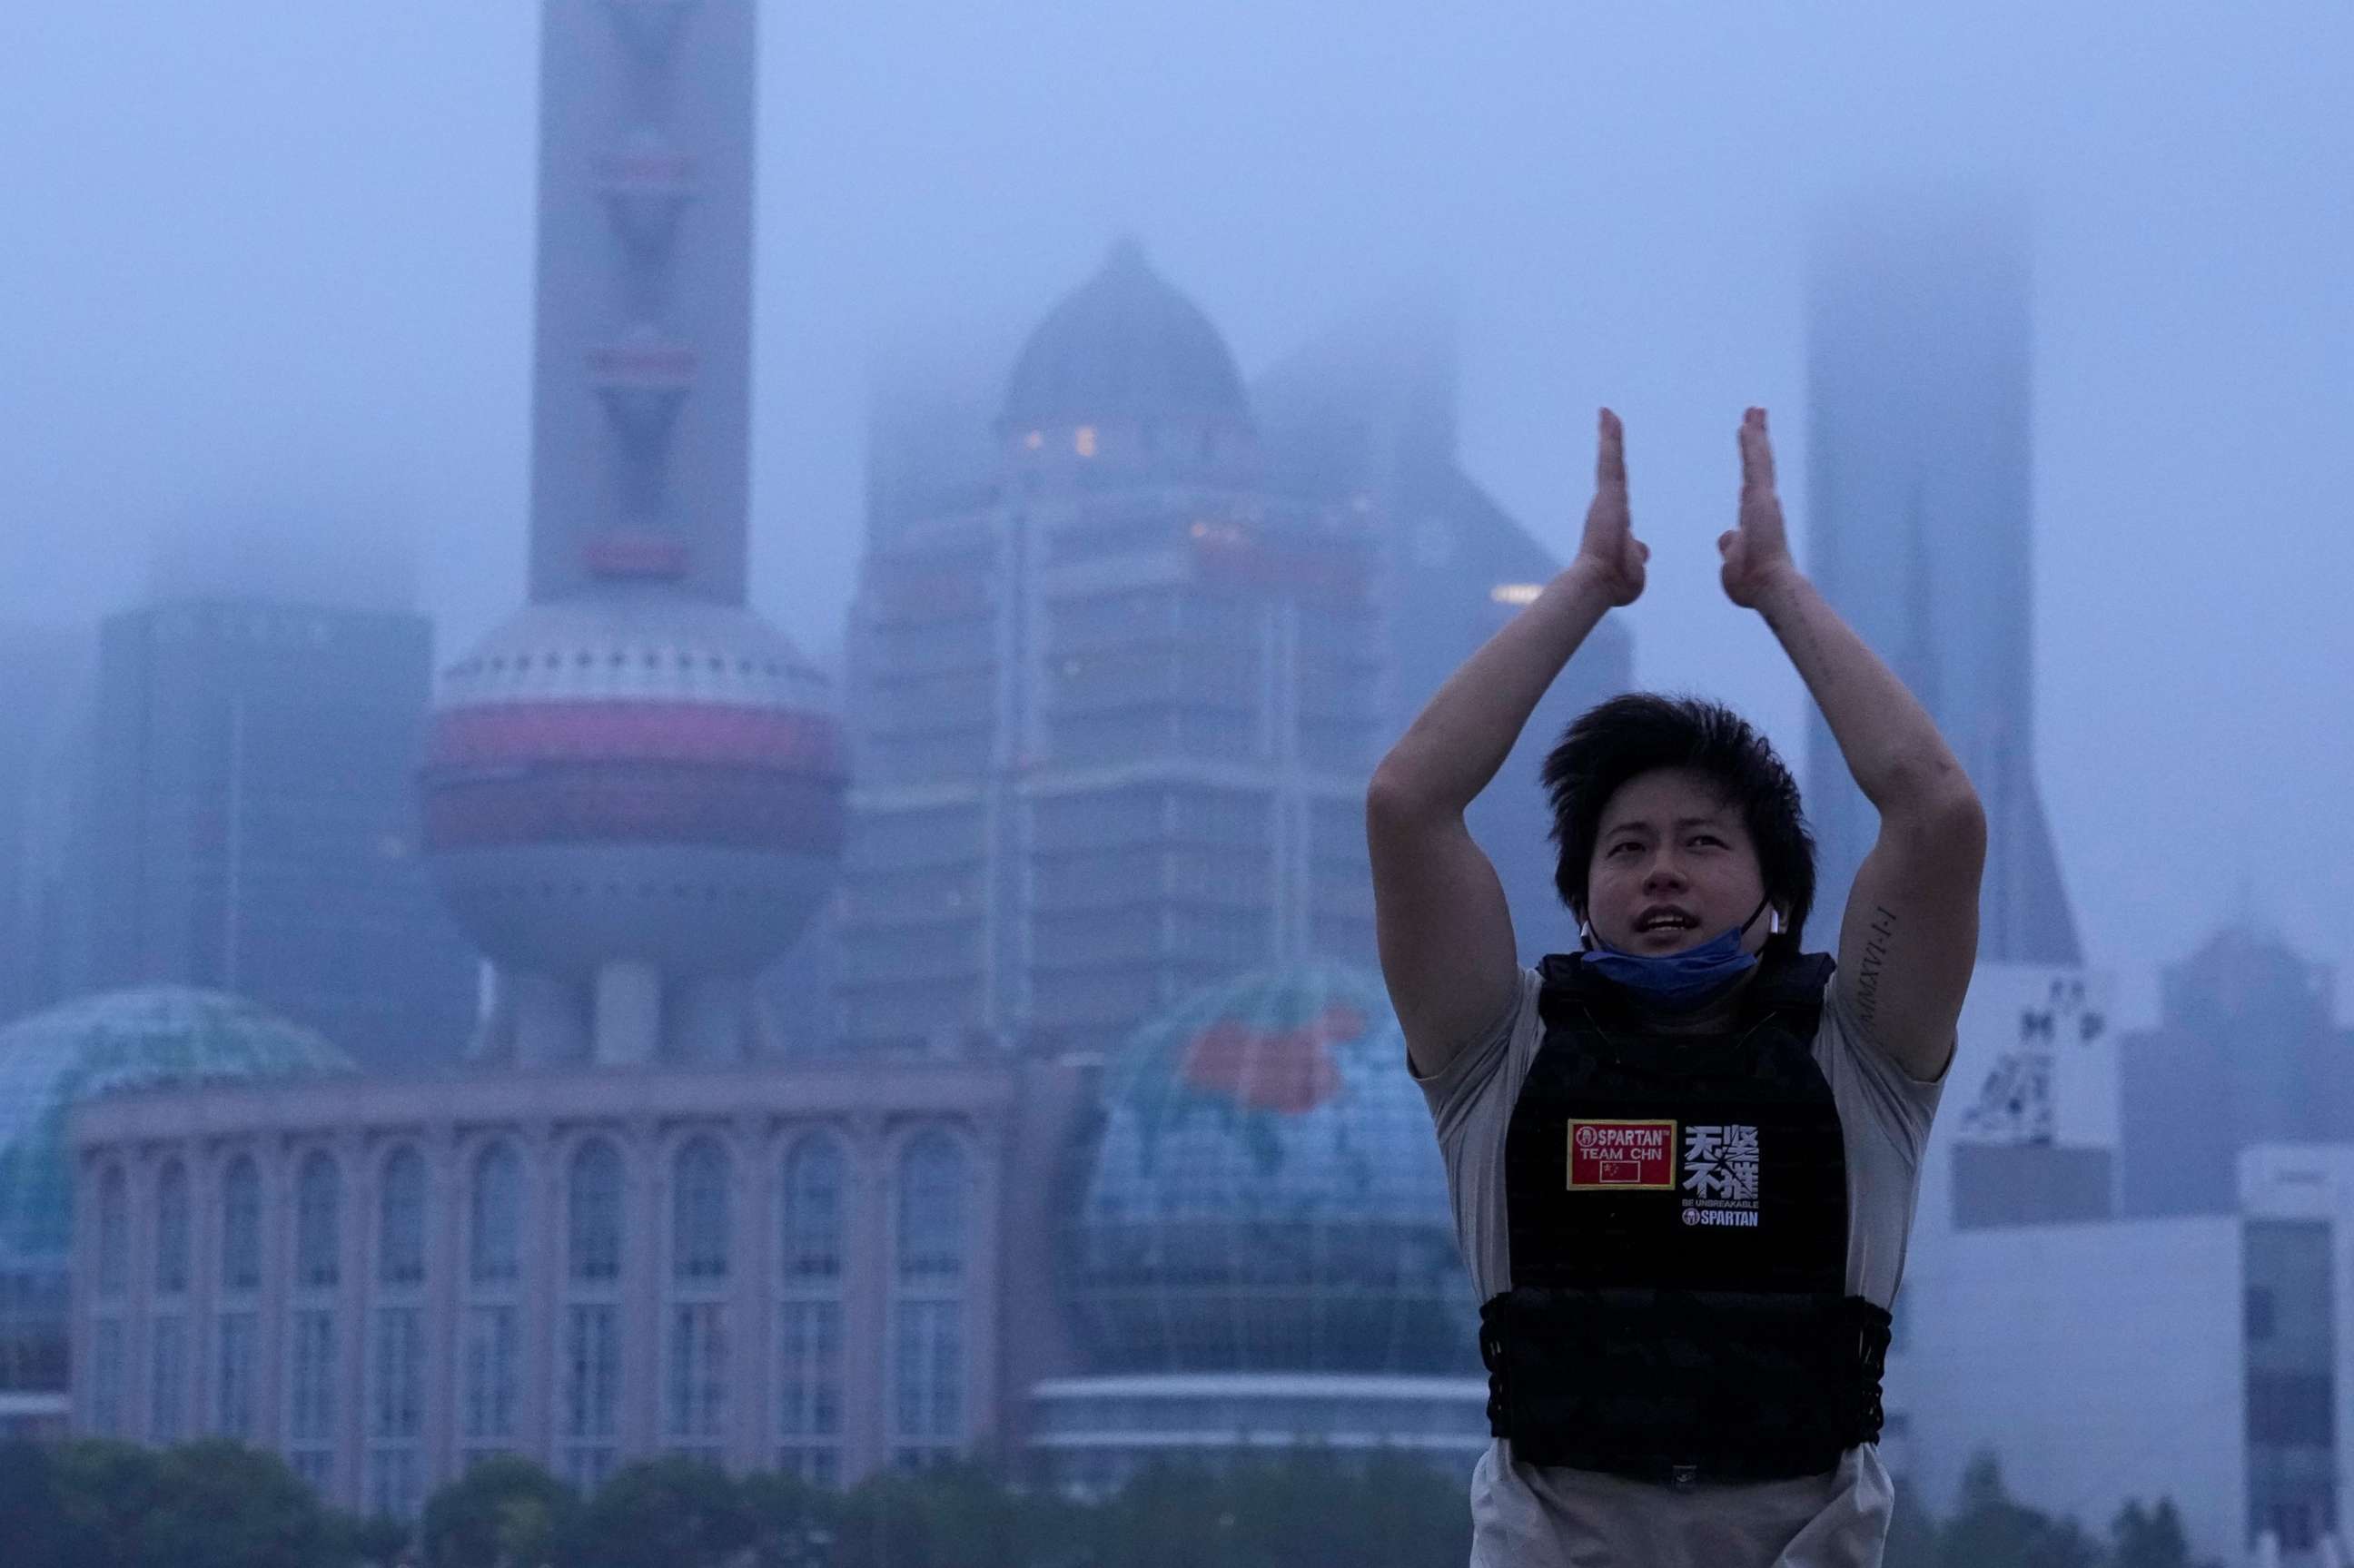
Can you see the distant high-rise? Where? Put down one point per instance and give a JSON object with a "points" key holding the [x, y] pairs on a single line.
{"points": [[1920, 532], [253, 822], [1121, 675], [2247, 1051], [1114, 708], [1364, 418]]}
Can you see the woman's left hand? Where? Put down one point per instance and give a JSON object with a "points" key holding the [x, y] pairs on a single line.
{"points": [[1757, 552]]}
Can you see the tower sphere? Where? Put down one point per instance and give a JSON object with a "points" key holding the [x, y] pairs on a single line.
{"points": [[653, 777]]}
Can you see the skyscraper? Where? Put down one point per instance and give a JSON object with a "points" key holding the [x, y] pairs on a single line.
{"points": [[252, 826], [2247, 1050], [633, 800], [1919, 454], [1114, 708], [1156, 582], [1364, 416]]}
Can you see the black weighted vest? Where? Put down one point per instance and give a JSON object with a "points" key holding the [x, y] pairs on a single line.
{"points": [[1677, 1217]]}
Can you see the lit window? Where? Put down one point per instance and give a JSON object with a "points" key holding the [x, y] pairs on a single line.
{"points": [[1515, 593], [1083, 441], [1034, 439]]}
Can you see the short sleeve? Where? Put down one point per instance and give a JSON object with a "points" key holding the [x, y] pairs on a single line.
{"points": [[1471, 1102], [1901, 1104], [1454, 1089]]}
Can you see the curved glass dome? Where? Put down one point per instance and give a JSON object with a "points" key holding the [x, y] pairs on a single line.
{"points": [[119, 1040], [1261, 1192], [1124, 346]]}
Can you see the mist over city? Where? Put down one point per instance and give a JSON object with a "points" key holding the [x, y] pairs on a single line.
{"points": [[692, 688]]}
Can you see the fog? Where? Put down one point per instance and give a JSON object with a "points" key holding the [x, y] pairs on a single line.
{"points": [[270, 260]]}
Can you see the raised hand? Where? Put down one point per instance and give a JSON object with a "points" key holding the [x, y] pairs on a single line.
{"points": [[1610, 549], [1758, 551]]}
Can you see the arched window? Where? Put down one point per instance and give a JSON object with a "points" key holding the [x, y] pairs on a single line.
{"points": [[811, 1247], [400, 1229], [167, 1332], [589, 1401], [113, 1233], [809, 1311], [311, 1344], [395, 1485], [172, 1230], [930, 1220], [495, 1232], [699, 1213], [594, 1252], [318, 1198], [489, 1354], [237, 1328], [695, 1357], [108, 1333], [241, 1226]]}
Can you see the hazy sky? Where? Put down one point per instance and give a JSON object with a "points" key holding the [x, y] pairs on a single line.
{"points": [[269, 258]]}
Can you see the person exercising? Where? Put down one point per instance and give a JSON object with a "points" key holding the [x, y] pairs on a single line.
{"points": [[1683, 1160]]}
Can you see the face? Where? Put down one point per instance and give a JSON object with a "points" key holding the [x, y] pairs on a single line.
{"points": [[1670, 842]]}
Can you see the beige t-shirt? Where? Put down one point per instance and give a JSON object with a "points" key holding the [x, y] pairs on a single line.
{"points": [[1526, 1517]]}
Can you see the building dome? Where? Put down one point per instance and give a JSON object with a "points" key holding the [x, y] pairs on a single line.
{"points": [[1124, 346], [656, 778], [146, 1038], [1263, 1193]]}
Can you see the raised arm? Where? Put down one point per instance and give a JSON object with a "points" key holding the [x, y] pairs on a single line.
{"points": [[1445, 934], [1909, 937]]}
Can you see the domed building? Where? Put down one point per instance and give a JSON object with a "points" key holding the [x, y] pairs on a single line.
{"points": [[148, 1038], [1260, 1250], [1113, 717], [1127, 357]]}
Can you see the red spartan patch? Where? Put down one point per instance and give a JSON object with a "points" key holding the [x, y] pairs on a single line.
{"points": [[1618, 1155]]}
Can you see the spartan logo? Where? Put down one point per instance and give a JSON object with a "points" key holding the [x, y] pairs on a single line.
{"points": [[1720, 1166]]}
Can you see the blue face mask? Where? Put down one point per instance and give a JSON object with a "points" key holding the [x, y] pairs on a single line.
{"points": [[1679, 983]]}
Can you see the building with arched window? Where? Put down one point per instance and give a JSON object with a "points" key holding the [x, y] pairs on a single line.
{"points": [[144, 1238], [823, 1267]]}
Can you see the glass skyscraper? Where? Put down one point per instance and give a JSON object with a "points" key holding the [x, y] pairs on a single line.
{"points": [[1920, 528]]}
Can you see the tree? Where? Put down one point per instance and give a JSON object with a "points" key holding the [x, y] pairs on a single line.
{"points": [[39, 1533], [1989, 1530], [366, 1541], [1306, 1505], [671, 1512], [793, 1524], [2150, 1538], [1911, 1534], [105, 1488], [950, 1516], [223, 1505], [503, 1512]]}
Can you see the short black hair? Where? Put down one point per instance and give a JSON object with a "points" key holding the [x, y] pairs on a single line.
{"points": [[1635, 734]]}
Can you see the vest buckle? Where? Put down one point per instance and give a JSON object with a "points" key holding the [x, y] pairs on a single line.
{"points": [[1683, 1477]]}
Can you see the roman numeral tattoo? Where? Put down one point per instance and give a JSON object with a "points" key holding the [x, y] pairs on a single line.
{"points": [[1875, 957]]}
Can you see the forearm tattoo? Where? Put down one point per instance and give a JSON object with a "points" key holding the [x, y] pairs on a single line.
{"points": [[1875, 954]]}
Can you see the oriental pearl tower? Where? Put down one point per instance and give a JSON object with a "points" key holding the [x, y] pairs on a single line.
{"points": [[633, 792]]}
